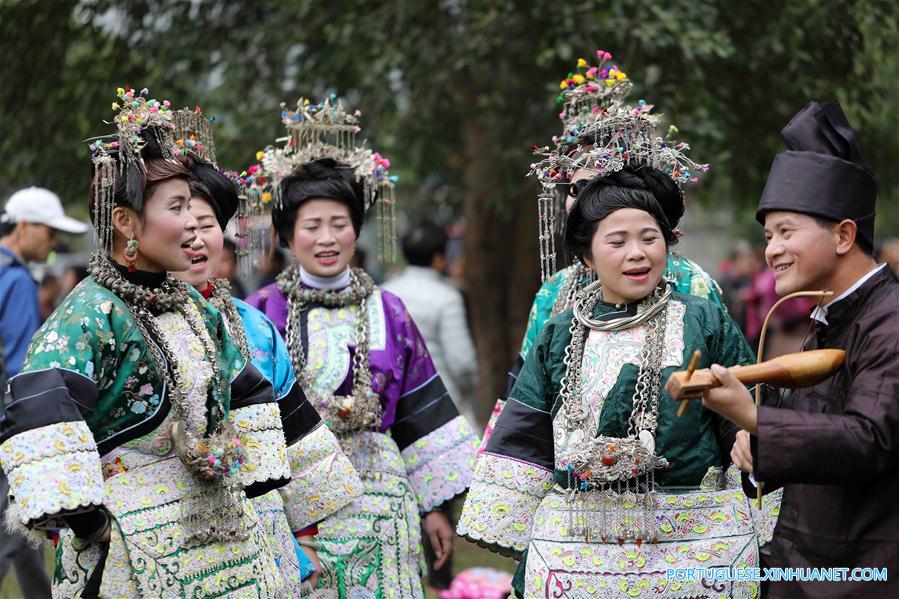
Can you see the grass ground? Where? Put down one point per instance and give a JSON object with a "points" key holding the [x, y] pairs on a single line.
{"points": [[467, 555]]}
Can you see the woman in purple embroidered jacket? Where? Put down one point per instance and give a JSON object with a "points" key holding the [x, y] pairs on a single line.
{"points": [[362, 363]]}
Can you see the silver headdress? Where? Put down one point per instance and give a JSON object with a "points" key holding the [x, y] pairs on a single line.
{"points": [[584, 94], [327, 130], [602, 135], [193, 135]]}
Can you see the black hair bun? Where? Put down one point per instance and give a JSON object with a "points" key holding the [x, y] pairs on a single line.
{"points": [[323, 168], [666, 193], [323, 178], [221, 191], [661, 186]]}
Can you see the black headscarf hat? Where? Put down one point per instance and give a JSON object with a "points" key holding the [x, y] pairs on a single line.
{"points": [[822, 172]]}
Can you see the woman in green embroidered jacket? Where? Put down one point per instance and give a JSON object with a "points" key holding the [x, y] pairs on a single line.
{"points": [[119, 427], [589, 472]]}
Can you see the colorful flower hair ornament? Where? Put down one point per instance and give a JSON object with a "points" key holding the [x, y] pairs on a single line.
{"points": [[139, 120], [589, 87]]}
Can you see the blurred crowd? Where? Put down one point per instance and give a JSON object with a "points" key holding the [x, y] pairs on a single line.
{"points": [[748, 287]]}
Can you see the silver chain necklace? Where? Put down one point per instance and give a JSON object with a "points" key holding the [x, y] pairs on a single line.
{"points": [[616, 467], [221, 299], [344, 414]]}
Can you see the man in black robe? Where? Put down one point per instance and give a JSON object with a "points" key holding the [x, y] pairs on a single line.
{"points": [[834, 447]]}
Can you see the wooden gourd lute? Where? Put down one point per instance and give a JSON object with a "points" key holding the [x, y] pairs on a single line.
{"points": [[789, 371]]}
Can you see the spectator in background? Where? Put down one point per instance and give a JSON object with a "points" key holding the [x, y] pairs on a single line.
{"points": [[28, 227], [48, 295], [436, 307], [273, 264], [736, 283], [789, 325], [71, 277], [228, 269]]}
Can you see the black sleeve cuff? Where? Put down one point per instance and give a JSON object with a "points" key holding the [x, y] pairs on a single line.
{"points": [[88, 524], [261, 488], [250, 387]]}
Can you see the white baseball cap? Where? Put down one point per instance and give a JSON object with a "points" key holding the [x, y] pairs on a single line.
{"points": [[41, 207]]}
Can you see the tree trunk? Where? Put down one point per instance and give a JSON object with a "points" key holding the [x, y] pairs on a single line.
{"points": [[500, 263]]}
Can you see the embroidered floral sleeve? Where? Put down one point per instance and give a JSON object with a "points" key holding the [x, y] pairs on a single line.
{"points": [[515, 470], [47, 449], [323, 479], [265, 466], [93, 342], [441, 464], [53, 470], [501, 503], [436, 443]]}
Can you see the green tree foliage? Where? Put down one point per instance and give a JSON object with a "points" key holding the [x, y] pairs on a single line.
{"points": [[455, 92]]}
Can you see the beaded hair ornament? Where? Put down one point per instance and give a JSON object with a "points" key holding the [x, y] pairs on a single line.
{"points": [[120, 154], [328, 130], [602, 135], [193, 135]]}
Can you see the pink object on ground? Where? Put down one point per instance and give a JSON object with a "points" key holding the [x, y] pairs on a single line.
{"points": [[479, 583]]}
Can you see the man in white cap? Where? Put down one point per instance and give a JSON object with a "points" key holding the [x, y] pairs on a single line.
{"points": [[28, 226]]}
